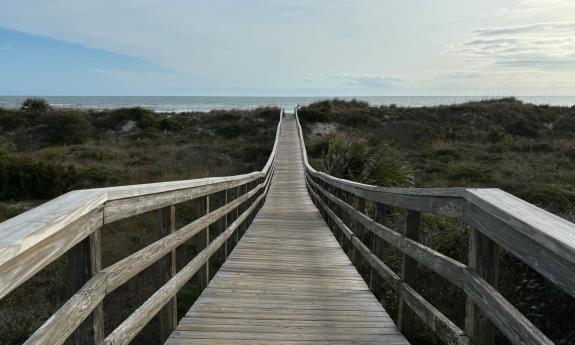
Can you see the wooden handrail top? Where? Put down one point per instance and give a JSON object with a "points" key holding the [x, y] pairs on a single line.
{"points": [[31, 227]]}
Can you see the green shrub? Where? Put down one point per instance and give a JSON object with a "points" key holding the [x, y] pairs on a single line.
{"points": [[347, 158], [22, 178], [467, 173], [92, 154], [10, 120], [388, 168], [497, 134], [524, 128], [146, 120], [169, 125], [352, 158], [233, 129], [358, 118], [552, 197], [313, 115], [65, 128], [35, 105]]}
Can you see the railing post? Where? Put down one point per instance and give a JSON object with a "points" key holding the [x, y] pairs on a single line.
{"points": [[168, 316], [375, 279], [219, 225], [237, 214], [225, 225], [483, 258], [359, 233], [202, 241], [242, 208], [85, 260], [406, 317]]}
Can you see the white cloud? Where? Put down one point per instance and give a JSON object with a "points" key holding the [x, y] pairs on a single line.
{"points": [[362, 80], [536, 46], [539, 10]]}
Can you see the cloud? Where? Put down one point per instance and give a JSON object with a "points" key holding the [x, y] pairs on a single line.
{"points": [[362, 80], [540, 10], [536, 46], [538, 28]]}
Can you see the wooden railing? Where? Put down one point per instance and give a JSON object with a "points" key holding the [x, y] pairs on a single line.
{"points": [[72, 222], [538, 238]]}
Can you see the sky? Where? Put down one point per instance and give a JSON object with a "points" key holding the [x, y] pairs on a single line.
{"points": [[287, 47]]}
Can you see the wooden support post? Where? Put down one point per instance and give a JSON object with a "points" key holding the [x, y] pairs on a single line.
{"points": [[242, 208], [406, 317], [225, 223], [357, 228], [483, 258], [202, 241], [85, 261], [237, 215], [168, 316], [375, 279]]}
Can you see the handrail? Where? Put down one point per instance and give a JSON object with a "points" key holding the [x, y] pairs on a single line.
{"points": [[34, 239], [540, 239]]}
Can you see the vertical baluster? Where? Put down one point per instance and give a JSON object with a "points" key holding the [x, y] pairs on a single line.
{"points": [[406, 317], [237, 214], [359, 233], [375, 279], [242, 208], [225, 223], [483, 258], [85, 260], [202, 241], [168, 316]]}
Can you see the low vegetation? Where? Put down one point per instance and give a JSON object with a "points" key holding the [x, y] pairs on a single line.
{"points": [[46, 152], [524, 149]]}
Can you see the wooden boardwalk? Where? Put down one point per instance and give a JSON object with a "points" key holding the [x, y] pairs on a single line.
{"points": [[287, 281]]}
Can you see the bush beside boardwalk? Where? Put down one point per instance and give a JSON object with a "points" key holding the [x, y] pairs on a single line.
{"points": [[44, 154], [525, 149]]}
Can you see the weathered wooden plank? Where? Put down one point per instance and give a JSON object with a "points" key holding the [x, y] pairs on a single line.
{"points": [[203, 240], [405, 317], [85, 260], [168, 316], [484, 259], [375, 281], [70, 316], [22, 254], [543, 258]]}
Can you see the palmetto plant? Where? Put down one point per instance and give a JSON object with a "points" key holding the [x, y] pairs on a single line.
{"points": [[35, 105], [352, 158]]}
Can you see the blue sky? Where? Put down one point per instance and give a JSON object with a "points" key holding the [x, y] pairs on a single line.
{"points": [[292, 47]]}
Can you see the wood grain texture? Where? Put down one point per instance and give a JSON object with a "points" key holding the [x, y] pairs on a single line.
{"points": [[484, 259], [85, 260], [287, 280], [168, 316], [405, 317]]}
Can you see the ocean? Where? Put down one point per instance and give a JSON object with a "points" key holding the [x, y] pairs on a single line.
{"points": [[204, 104]]}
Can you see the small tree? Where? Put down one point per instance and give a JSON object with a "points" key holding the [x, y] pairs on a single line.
{"points": [[35, 105]]}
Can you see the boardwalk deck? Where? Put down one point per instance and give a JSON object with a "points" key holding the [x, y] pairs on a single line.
{"points": [[287, 281]]}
